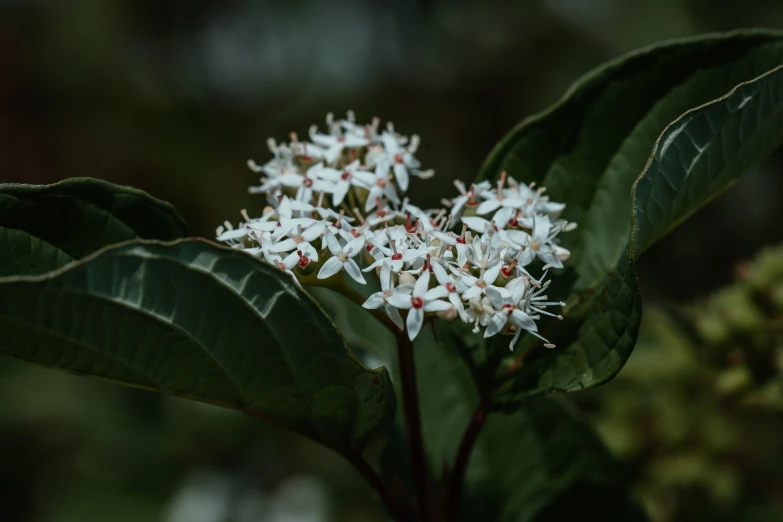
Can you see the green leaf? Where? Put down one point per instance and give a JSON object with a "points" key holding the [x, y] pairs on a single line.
{"points": [[44, 227], [589, 149], [204, 322]]}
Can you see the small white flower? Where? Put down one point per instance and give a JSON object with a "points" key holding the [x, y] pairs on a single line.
{"points": [[382, 187], [401, 159], [449, 287], [344, 179], [478, 285], [539, 244], [421, 301], [335, 143], [301, 240], [380, 299], [507, 311], [343, 258]]}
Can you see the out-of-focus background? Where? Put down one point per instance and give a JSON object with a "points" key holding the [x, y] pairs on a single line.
{"points": [[173, 97]]}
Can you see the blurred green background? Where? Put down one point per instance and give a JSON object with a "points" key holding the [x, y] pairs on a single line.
{"points": [[174, 96]]}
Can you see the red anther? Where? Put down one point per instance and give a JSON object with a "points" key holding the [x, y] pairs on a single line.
{"points": [[509, 309], [303, 261], [345, 176], [450, 287], [397, 256], [397, 158], [416, 302], [507, 271], [355, 233]]}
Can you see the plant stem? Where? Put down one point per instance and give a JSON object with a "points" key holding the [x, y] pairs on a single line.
{"points": [[396, 508], [410, 399], [457, 476]]}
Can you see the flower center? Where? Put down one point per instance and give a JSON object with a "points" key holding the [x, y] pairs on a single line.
{"points": [[481, 283], [380, 182], [303, 261], [345, 176], [341, 139], [535, 245], [342, 256], [416, 302], [355, 233], [397, 158], [397, 256], [298, 238], [307, 182], [450, 287], [509, 309]]}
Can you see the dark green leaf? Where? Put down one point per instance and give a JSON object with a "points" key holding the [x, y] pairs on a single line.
{"points": [[199, 321], [589, 149], [44, 227]]}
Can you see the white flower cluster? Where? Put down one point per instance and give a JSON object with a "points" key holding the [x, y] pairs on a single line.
{"points": [[336, 203]]}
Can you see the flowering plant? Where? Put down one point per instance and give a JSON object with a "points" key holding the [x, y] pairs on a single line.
{"points": [[479, 275], [102, 280]]}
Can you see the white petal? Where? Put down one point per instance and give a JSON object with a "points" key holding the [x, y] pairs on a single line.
{"points": [[333, 153], [291, 260], [233, 234], [400, 301], [284, 210], [440, 273], [526, 257], [401, 173], [353, 270], [340, 190], [495, 325], [492, 274], [495, 296], [476, 224], [403, 289], [518, 236], [457, 302], [521, 319], [422, 283], [436, 293], [541, 227], [436, 306], [415, 319], [387, 281], [331, 267], [355, 246], [471, 292], [376, 300], [488, 206], [283, 246], [394, 315], [333, 244], [314, 231]]}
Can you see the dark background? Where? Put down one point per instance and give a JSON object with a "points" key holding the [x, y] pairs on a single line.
{"points": [[174, 96]]}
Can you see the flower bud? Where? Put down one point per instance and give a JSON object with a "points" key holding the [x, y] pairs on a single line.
{"points": [[407, 279], [562, 253], [447, 315]]}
